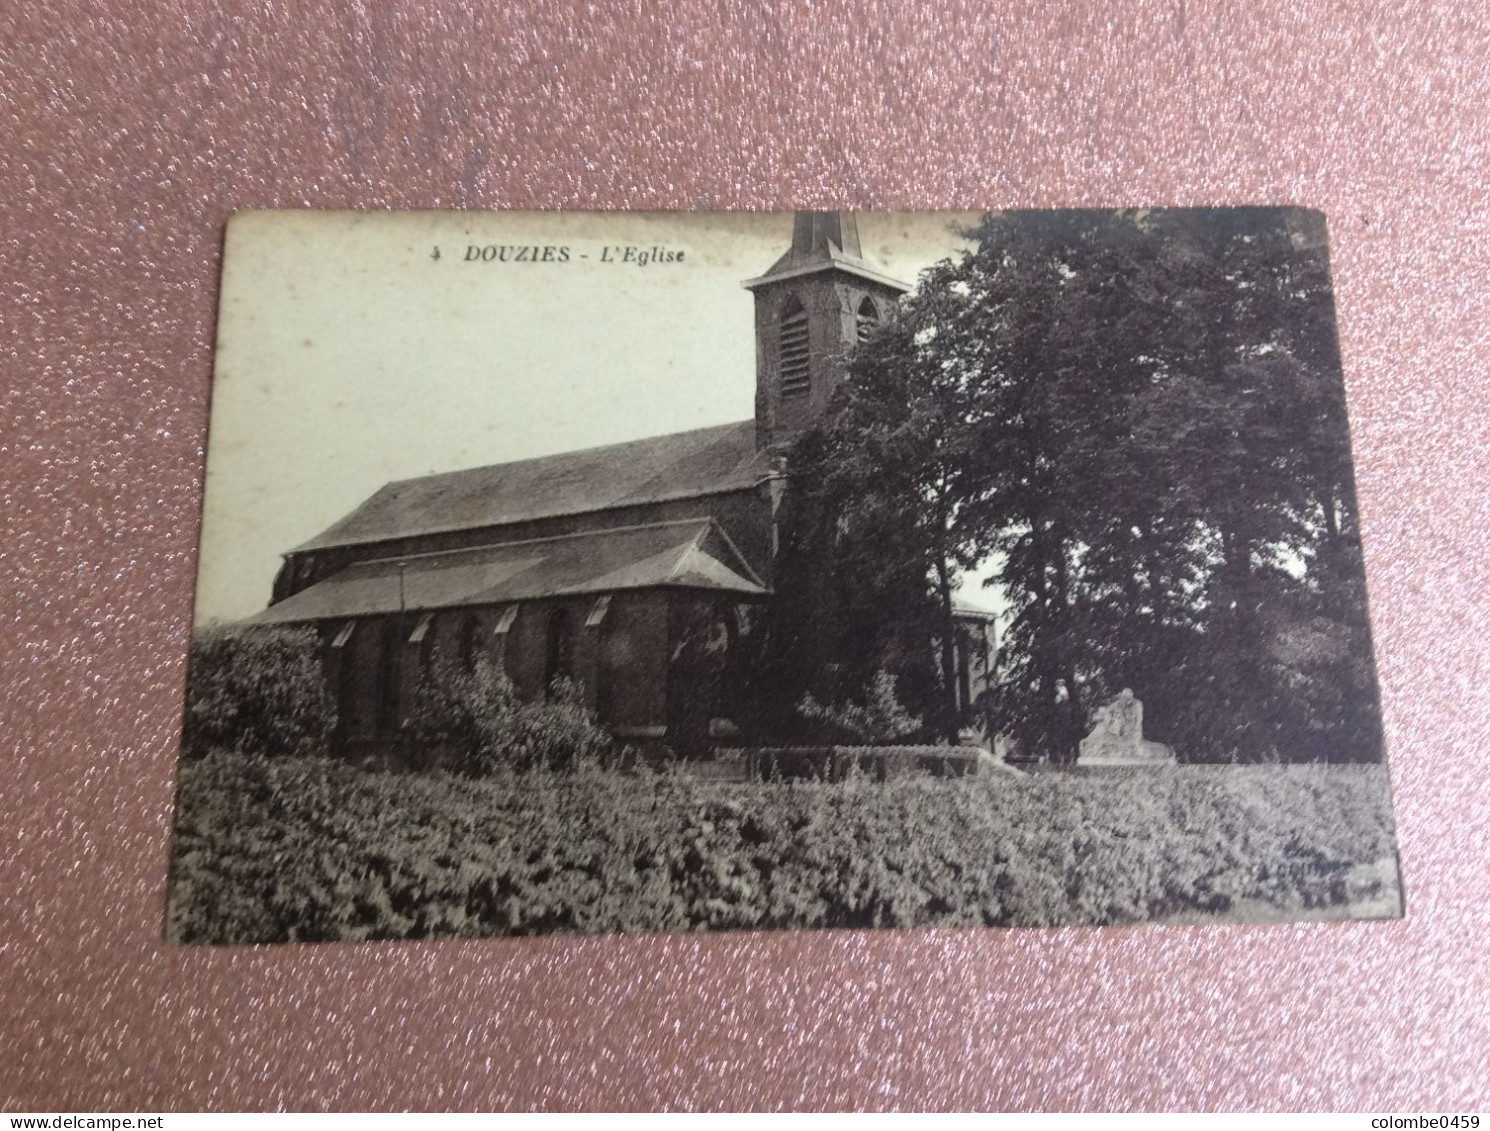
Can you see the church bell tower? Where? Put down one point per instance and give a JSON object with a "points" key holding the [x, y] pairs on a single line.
{"points": [[811, 307]]}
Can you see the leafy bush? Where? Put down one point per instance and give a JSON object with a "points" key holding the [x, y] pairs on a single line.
{"points": [[309, 849], [257, 691], [477, 719], [880, 718]]}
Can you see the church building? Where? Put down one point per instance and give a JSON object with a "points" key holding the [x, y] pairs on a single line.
{"points": [[624, 568]]}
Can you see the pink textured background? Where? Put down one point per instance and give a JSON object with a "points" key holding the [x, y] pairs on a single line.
{"points": [[127, 134]]}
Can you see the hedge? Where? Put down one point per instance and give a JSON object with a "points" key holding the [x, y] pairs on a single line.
{"points": [[257, 690], [308, 849]]}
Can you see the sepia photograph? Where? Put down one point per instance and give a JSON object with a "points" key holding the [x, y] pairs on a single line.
{"points": [[628, 572]]}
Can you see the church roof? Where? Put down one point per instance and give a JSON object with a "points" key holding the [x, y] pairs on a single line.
{"points": [[687, 554], [964, 608], [679, 465]]}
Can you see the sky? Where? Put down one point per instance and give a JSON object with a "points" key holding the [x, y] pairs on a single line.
{"points": [[349, 355]]}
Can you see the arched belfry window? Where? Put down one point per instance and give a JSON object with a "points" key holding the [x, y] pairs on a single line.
{"points": [[796, 361], [867, 317]]}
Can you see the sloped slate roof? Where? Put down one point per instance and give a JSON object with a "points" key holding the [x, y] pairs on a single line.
{"points": [[690, 554], [680, 465], [967, 609]]}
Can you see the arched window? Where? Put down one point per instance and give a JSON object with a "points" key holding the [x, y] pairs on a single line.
{"points": [[390, 648], [866, 318], [560, 663], [468, 643], [796, 356]]}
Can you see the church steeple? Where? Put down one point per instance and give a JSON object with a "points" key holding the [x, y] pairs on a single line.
{"points": [[821, 234], [811, 307]]}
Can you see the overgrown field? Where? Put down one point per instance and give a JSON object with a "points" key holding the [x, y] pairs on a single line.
{"points": [[308, 849]]}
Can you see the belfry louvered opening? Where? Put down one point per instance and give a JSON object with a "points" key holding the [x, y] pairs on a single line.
{"points": [[796, 363], [866, 319]]}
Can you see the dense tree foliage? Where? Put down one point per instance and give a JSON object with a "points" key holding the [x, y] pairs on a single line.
{"points": [[257, 691], [1139, 416], [880, 719], [473, 722]]}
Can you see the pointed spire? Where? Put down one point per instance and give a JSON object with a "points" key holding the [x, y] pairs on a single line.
{"points": [[819, 235], [824, 241]]}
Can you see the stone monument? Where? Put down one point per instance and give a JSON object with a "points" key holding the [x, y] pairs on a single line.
{"points": [[1117, 737]]}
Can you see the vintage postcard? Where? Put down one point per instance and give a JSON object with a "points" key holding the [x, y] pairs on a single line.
{"points": [[581, 572]]}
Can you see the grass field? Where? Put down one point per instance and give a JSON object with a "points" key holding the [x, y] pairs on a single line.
{"points": [[309, 849]]}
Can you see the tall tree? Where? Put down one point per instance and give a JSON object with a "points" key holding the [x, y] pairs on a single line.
{"points": [[1140, 416], [881, 498]]}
